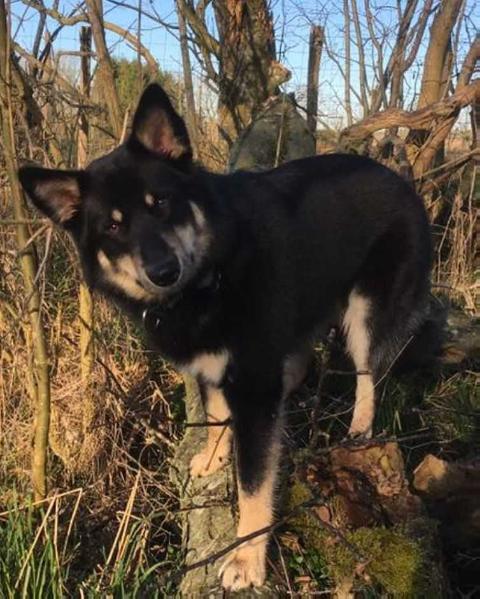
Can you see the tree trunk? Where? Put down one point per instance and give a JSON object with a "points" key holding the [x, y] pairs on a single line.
{"points": [[314, 56], [423, 146], [85, 298], [248, 71], [437, 52], [28, 263], [347, 81]]}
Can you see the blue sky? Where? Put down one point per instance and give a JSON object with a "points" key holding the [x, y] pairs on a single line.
{"points": [[292, 25]]}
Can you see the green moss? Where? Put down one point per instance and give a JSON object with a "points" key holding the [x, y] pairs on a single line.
{"points": [[393, 560], [400, 561], [304, 521]]}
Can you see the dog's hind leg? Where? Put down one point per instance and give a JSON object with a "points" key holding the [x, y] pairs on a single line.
{"points": [[219, 437], [358, 341]]}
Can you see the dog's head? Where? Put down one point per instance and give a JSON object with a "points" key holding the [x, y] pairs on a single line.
{"points": [[137, 214]]}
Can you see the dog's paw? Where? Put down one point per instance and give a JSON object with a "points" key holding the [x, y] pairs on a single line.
{"points": [[244, 567], [207, 462], [360, 433], [361, 428]]}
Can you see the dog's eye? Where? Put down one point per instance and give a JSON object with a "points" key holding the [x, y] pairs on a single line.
{"points": [[113, 227], [160, 206], [160, 202]]}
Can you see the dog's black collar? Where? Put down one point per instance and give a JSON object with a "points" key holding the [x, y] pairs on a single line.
{"points": [[153, 316]]}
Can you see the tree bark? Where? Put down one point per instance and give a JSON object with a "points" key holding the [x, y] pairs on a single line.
{"points": [[362, 514], [437, 52], [241, 62]]}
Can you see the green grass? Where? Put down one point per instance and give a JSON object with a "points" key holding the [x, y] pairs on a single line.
{"points": [[41, 558], [30, 565]]}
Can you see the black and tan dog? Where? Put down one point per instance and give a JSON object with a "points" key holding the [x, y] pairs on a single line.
{"points": [[235, 274]]}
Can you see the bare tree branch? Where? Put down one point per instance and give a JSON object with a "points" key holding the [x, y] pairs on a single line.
{"points": [[75, 19], [346, 37], [418, 119], [198, 26], [364, 89]]}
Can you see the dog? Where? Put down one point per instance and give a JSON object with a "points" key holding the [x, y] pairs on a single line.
{"points": [[234, 275]]}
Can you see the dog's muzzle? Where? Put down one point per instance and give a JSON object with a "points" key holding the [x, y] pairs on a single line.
{"points": [[164, 273]]}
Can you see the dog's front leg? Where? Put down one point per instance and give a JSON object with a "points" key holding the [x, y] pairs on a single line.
{"points": [[217, 450], [257, 428]]}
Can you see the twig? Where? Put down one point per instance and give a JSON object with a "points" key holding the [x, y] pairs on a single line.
{"points": [[37, 503], [395, 359], [156, 433], [23, 221], [362, 443], [226, 422], [126, 118], [284, 567], [458, 162]]}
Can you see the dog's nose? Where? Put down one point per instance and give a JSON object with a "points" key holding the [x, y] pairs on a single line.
{"points": [[164, 273]]}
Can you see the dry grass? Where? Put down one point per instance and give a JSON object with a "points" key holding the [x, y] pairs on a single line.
{"points": [[456, 260], [108, 444]]}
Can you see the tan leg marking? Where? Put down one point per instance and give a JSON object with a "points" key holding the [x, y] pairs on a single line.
{"points": [[219, 440], [358, 346], [210, 366], [246, 565]]}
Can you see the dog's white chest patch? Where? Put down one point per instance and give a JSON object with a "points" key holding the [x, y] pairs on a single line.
{"points": [[210, 366]]}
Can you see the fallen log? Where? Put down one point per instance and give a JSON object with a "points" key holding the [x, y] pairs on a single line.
{"points": [[206, 513]]}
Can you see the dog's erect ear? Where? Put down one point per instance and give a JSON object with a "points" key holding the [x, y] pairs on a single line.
{"points": [[55, 193], [158, 127]]}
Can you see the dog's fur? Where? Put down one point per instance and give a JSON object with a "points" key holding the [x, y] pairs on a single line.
{"points": [[235, 274]]}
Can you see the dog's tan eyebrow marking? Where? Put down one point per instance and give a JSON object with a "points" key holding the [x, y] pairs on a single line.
{"points": [[117, 216], [197, 215], [149, 199]]}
